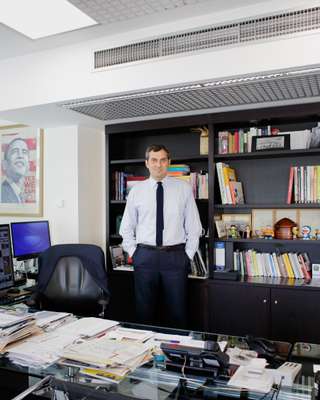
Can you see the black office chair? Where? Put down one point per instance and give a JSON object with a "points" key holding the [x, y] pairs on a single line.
{"points": [[72, 278]]}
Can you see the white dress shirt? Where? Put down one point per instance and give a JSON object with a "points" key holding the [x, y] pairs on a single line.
{"points": [[181, 217]]}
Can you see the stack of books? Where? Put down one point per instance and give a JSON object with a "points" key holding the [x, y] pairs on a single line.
{"points": [[198, 181], [285, 265], [230, 189]]}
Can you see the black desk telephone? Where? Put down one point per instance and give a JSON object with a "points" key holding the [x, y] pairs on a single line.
{"points": [[263, 347], [210, 358]]}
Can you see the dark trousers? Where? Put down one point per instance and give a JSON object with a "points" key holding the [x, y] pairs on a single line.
{"points": [[160, 271]]}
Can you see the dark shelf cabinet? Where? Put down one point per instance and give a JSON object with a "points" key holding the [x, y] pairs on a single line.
{"points": [[238, 311], [281, 313], [273, 310]]}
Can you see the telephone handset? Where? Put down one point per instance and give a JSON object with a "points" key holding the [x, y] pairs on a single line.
{"points": [[263, 347]]}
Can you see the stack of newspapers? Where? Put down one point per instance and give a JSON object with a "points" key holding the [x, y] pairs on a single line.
{"points": [[46, 348], [14, 327], [107, 358]]}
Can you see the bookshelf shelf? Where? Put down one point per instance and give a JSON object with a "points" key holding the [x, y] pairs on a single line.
{"points": [[261, 206], [272, 241], [174, 159], [266, 154]]}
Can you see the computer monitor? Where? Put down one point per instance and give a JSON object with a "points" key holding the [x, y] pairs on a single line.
{"points": [[6, 265], [29, 239]]}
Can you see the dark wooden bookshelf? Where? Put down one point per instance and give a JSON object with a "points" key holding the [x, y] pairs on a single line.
{"points": [[266, 307]]}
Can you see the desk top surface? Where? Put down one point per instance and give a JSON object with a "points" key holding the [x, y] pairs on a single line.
{"points": [[153, 381]]}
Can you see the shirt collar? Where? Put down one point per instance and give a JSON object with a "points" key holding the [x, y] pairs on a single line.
{"points": [[154, 183]]}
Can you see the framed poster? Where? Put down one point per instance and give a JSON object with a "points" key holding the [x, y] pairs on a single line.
{"points": [[21, 171]]}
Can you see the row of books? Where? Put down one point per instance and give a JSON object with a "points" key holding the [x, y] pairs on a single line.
{"points": [[230, 189], [240, 141], [285, 265], [304, 184], [122, 182]]}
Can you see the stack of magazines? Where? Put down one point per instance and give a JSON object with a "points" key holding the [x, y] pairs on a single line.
{"points": [[14, 327], [199, 268]]}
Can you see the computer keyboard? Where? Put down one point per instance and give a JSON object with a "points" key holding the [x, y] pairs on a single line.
{"points": [[5, 300]]}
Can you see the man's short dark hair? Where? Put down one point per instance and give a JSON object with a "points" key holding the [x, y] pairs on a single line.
{"points": [[155, 148], [6, 151]]}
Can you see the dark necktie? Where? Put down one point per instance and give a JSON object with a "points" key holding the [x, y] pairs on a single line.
{"points": [[160, 225]]}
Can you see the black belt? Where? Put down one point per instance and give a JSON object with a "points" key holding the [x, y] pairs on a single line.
{"points": [[164, 248]]}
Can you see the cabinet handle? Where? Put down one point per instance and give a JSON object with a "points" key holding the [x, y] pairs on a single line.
{"points": [[264, 300], [276, 302]]}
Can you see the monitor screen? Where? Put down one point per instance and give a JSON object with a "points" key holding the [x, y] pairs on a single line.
{"points": [[29, 239], [6, 265]]}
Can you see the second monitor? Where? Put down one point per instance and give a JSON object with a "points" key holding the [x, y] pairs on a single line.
{"points": [[29, 239]]}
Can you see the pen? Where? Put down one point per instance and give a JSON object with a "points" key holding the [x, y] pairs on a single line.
{"points": [[167, 341]]}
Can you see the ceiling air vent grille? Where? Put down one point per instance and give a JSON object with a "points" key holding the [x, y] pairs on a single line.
{"points": [[211, 37], [280, 87]]}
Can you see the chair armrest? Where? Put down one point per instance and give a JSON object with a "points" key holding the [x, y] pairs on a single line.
{"points": [[34, 300], [103, 302]]}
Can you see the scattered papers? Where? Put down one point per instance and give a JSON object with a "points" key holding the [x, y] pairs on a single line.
{"points": [[14, 326], [178, 339], [8, 319], [240, 356], [103, 352], [41, 350], [253, 377], [135, 335], [50, 320], [88, 327]]}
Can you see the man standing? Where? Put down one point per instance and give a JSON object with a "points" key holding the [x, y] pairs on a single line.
{"points": [[15, 166], [160, 230]]}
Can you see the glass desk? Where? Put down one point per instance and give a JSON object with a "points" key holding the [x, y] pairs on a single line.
{"points": [[155, 382]]}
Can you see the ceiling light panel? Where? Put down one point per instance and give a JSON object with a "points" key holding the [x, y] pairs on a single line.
{"points": [[111, 11], [41, 18]]}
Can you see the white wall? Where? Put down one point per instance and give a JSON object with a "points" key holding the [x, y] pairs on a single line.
{"points": [[91, 186], [61, 203], [73, 192]]}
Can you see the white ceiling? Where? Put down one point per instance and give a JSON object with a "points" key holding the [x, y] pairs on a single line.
{"points": [[120, 16], [116, 16]]}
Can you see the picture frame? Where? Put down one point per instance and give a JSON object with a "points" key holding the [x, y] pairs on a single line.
{"points": [[21, 190], [270, 143], [119, 258]]}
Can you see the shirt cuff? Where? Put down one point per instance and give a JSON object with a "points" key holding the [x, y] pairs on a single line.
{"points": [[190, 254], [131, 251]]}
